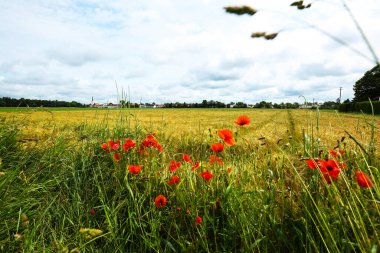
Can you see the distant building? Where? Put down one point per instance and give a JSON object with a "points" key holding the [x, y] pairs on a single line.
{"points": [[147, 106], [107, 105]]}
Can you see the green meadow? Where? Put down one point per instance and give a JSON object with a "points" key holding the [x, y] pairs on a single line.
{"points": [[153, 180]]}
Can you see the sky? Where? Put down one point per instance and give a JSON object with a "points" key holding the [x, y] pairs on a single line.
{"points": [[183, 51]]}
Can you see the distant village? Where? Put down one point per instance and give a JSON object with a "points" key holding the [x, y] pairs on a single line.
{"points": [[112, 105]]}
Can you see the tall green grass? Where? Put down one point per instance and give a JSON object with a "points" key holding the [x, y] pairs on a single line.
{"points": [[270, 201]]}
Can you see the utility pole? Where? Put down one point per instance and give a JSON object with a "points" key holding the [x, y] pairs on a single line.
{"points": [[340, 95]]}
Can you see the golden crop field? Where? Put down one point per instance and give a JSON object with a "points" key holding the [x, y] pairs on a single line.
{"points": [[275, 125]]}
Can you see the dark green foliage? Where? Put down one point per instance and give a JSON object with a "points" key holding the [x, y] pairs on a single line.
{"points": [[368, 87], [361, 107], [240, 10], [25, 102]]}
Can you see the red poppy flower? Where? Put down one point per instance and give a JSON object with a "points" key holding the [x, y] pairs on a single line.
{"points": [[117, 157], [114, 145], [227, 137], [363, 179], [160, 201], [217, 147], [92, 212], [128, 144], [186, 158], [312, 163], [151, 142], [336, 153], [332, 175], [330, 170], [173, 180], [195, 166], [158, 147], [104, 146], [174, 166], [198, 220], [329, 165], [229, 170], [206, 175], [215, 159], [242, 120], [134, 169]]}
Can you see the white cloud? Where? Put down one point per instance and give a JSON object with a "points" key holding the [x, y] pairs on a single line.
{"points": [[168, 51]]}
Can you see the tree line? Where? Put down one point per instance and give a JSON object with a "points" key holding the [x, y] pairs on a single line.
{"points": [[262, 104], [25, 102]]}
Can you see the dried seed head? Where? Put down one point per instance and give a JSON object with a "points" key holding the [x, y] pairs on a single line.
{"points": [[270, 36], [18, 236], [240, 10], [24, 220], [258, 34], [297, 3]]}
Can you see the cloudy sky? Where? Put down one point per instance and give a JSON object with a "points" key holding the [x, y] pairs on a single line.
{"points": [[186, 51]]}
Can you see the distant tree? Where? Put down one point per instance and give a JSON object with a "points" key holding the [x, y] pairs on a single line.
{"points": [[241, 105], [123, 103], [368, 87], [346, 101], [330, 105], [264, 104]]}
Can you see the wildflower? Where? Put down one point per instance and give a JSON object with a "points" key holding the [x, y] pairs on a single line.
{"points": [[173, 180], [151, 142], [134, 169], [229, 170], [186, 158], [363, 179], [217, 147], [242, 120], [331, 175], [92, 212], [312, 163], [174, 166], [195, 166], [215, 159], [227, 137], [128, 144], [117, 157], [206, 175], [336, 153], [330, 170], [160, 201], [105, 147], [198, 220], [329, 165], [114, 145]]}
